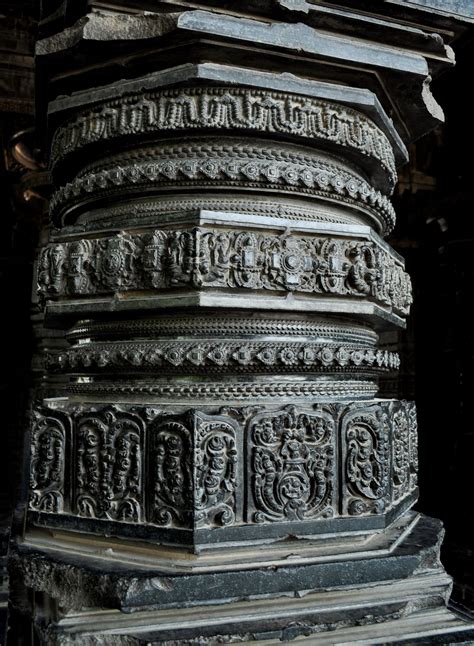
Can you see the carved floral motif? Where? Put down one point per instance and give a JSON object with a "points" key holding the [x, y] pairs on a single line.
{"points": [[220, 356], [289, 170], [202, 258]]}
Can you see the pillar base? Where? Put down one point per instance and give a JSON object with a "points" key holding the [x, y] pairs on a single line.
{"points": [[372, 589]]}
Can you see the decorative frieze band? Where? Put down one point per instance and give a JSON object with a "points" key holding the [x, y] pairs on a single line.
{"points": [[227, 109], [268, 390], [163, 208], [223, 164], [201, 258], [218, 356], [146, 465], [224, 326]]}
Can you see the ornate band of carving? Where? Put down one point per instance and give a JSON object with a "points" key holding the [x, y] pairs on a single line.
{"points": [[223, 165], [216, 356], [222, 326], [201, 258], [228, 109], [238, 390], [143, 464], [154, 210]]}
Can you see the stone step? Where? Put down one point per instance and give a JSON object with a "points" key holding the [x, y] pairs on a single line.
{"points": [[273, 620], [437, 626]]}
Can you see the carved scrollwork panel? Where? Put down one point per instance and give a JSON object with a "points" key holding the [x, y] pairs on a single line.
{"points": [[218, 465], [194, 466], [109, 447], [170, 496], [50, 446], [413, 443], [365, 434], [401, 451], [292, 461]]}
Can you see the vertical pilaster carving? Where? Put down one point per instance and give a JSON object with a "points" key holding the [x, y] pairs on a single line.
{"points": [[50, 440], [108, 476], [366, 448], [171, 472], [401, 452]]}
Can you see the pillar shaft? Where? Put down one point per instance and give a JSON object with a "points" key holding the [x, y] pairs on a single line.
{"points": [[213, 434]]}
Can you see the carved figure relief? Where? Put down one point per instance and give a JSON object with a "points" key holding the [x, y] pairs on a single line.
{"points": [[216, 470], [49, 442], [367, 454], [292, 464], [229, 259], [108, 469]]}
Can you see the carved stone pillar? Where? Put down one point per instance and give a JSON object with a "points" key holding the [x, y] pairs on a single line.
{"points": [[211, 453]]}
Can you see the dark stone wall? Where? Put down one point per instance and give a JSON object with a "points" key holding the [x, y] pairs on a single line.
{"points": [[436, 235]]}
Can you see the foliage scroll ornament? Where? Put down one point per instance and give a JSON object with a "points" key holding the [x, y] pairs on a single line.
{"points": [[367, 460]]}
